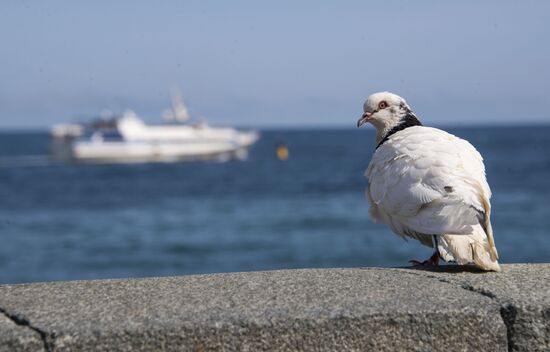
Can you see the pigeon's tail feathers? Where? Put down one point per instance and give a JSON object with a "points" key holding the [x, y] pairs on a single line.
{"points": [[465, 249], [489, 229], [483, 257]]}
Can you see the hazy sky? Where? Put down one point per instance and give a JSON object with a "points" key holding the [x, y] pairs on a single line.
{"points": [[308, 63]]}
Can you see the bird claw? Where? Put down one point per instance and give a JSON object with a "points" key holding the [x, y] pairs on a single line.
{"points": [[423, 263], [431, 261]]}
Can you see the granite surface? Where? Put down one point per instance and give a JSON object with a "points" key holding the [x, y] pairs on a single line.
{"points": [[383, 309]]}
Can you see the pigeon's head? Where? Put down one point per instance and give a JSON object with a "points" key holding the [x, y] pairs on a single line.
{"points": [[384, 111]]}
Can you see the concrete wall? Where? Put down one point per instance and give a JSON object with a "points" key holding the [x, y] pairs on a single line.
{"points": [[369, 309]]}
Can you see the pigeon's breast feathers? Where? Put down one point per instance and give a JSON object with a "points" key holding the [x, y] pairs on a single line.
{"points": [[430, 180]]}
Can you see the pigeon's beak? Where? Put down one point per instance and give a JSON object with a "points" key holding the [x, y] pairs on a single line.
{"points": [[364, 119]]}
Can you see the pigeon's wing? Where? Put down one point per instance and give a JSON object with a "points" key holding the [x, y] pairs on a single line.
{"points": [[472, 162], [427, 181]]}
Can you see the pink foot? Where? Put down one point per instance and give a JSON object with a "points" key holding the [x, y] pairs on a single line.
{"points": [[431, 261]]}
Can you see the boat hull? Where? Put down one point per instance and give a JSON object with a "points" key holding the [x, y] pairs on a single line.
{"points": [[86, 151]]}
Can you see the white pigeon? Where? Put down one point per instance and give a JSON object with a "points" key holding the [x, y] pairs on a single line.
{"points": [[429, 185]]}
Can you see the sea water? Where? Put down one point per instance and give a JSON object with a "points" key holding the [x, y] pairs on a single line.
{"points": [[66, 222]]}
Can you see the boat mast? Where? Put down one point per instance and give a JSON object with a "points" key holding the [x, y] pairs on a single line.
{"points": [[179, 110]]}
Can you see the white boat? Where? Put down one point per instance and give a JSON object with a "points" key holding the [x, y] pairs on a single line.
{"points": [[127, 139]]}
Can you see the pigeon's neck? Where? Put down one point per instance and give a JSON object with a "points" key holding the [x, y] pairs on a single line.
{"points": [[408, 119]]}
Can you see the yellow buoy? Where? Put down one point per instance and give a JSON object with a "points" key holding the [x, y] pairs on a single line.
{"points": [[282, 152]]}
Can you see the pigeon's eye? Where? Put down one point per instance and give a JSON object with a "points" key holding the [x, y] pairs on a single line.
{"points": [[382, 105]]}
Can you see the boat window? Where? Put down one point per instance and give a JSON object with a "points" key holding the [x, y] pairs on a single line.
{"points": [[111, 135]]}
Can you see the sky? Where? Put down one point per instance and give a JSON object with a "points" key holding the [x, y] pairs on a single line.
{"points": [[278, 63]]}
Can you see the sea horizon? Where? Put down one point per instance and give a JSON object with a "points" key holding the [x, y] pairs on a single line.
{"points": [[323, 126]]}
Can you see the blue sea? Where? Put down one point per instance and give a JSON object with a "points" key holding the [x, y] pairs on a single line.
{"points": [[66, 222]]}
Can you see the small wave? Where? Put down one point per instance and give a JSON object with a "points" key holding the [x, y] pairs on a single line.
{"points": [[25, 161]]}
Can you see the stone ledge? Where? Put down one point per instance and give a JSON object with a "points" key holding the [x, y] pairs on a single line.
{"points": [[378, 309], [15, 337]]}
